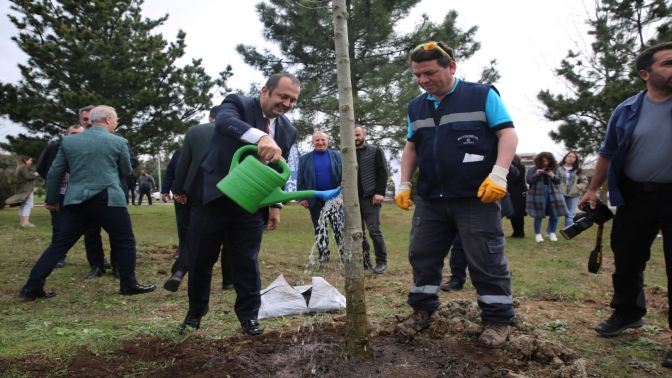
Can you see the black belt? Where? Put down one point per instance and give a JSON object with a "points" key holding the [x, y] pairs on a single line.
{"points": [[648, 186]]}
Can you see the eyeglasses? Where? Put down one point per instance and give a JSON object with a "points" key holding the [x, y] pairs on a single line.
{"points": [[429, 46]]}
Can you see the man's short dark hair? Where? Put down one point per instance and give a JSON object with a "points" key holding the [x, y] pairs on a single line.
{"points": [[645, 59], [213, 111], [274, 80], [360, 126], [421, 55], [85, 109], [75, 126]]}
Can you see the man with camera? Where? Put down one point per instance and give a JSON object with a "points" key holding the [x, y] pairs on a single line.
{"points": [[635, 159]]}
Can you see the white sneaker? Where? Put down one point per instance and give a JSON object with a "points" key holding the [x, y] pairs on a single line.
{"points": [[538, 238], [552, 236]]}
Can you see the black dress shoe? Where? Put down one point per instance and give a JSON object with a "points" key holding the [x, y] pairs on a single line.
{"points": [[617, 323], [227, 286], [115, 272], [380, 268], [95, 272], [137, 289], [452, 286], [61, 262], [667, 361], [173, 283], [106, 264], [252, 327], [31, 295], [192, 322]]}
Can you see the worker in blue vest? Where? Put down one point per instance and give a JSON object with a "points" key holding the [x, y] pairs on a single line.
{"points": [[462, 140]]}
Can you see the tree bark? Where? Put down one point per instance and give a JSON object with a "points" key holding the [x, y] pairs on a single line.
{"points": [[356, 328]]}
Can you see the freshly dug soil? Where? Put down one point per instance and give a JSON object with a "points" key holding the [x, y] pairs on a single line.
{"points": [[446, 349]]}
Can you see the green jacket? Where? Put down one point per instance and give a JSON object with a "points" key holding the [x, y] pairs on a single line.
{"points": [[96, 159]]}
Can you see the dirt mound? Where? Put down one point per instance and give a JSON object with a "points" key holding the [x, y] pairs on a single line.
{"points": [[447, 348]]}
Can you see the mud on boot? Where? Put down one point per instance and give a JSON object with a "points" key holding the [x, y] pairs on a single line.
{"points": [[420, 319], [494, 335]]}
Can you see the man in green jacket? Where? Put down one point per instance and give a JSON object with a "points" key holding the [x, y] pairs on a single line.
{"points": [[95, 159]]}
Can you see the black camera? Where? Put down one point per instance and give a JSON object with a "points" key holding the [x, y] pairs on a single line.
{"points": [[584, 219]]}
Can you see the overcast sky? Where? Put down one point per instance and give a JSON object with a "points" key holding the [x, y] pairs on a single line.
{"points": [[529, 38]]}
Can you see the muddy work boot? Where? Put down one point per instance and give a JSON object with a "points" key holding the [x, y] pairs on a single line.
{"points": [[494, 336], [420, 319]]}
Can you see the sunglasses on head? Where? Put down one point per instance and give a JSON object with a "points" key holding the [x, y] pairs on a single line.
{"points": [[429, 46]]}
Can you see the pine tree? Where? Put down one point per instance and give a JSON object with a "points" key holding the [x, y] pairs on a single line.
{"points": [[382, 84], [600, 79], [101, 52]]}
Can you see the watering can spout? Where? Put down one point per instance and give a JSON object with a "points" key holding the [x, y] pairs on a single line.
{"points": [[277, 195], [328, 194], [251, 184]]}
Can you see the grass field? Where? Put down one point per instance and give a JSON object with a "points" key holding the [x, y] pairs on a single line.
{"points": [[549, 279]]}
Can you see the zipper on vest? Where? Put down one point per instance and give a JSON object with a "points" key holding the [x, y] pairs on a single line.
{"points": [[436, 160]]}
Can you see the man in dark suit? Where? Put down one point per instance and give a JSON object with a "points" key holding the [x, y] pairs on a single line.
{"points": [[240, 121], [95, 159], [321, 169], [196, 142], [42, 168]]}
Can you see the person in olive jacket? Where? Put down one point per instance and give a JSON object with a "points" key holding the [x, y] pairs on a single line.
{"points": [[25, 184]]}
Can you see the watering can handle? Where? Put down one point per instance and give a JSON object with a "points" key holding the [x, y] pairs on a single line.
{"points": [[251, 147]]}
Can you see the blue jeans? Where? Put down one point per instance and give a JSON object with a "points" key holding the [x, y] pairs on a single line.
{"points": [[552, 219], [571, 206]]}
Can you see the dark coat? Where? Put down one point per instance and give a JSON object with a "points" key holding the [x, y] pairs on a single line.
{"points": [[236, 115], [196, 142], [517, 188], [535, 194], [305, 179], [46, 159]]}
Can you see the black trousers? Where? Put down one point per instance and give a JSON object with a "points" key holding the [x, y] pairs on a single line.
{"points": [[131, 194], [518, 225], [636, 226], [182, 217], [208, 226], [93, 242], [115, 220], [371, 220]]}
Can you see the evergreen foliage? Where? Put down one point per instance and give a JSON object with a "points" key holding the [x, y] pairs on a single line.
{"points": [[101, 52], [600, 78], [382, 84]]}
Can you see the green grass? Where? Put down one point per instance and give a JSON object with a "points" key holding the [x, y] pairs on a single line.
{"points": [[92, 314]]}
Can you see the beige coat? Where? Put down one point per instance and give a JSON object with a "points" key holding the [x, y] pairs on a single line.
{"points": [[577, 185], [25, 183]]}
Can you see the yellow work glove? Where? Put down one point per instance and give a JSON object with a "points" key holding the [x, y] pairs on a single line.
{"points": [[403, 199], [494, 186]]}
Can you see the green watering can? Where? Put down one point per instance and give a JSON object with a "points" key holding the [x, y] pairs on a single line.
{"points": [[252, 184]]}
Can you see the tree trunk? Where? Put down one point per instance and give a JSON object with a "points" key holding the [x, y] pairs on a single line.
{"points": [[356, 328]]}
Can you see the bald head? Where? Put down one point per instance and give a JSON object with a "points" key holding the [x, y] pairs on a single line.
{"points": [[104, 116]]}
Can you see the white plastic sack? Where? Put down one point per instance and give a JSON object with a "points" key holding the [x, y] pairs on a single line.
{"points": [[279, 298]]}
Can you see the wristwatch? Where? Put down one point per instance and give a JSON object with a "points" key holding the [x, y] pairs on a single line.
{"points": [[277, 205]]}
